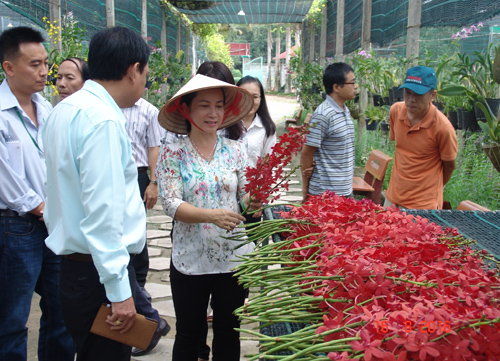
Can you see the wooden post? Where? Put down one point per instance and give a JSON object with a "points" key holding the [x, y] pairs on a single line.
{"points": [[365, 45], [110, 13], [339, 43], [144, 19], [55, 15], [178, 40], [287, 59], [277, 82], [298, 34], [163, 34], [269, 57], [322, 42], [193, 66], [413, 33], [312, 35]]}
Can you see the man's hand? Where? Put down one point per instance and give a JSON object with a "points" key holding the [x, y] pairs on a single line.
{"points": [[309, 171], [122, 315], [151, 196], [38, 211]]}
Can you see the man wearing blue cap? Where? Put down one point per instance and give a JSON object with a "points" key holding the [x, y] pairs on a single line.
{"points": [[426, 145]]}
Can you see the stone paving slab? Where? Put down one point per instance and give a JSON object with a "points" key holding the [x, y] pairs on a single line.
{"points": [[154, 252], [166, 226], [157, 290], [165, 308], [162, 242], [154, 233], [163, 351], [158, 207], [291, 198], [159, 264], [159, 219]]}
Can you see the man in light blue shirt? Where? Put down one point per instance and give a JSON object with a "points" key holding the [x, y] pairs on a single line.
{"points": [[26, 264], [94, 212]]}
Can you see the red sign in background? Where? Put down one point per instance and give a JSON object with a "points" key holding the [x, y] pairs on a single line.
{"points": [[239, 49]]}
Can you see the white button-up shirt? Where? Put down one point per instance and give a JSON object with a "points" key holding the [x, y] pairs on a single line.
{"points": [[259, 144], [22, 165]]}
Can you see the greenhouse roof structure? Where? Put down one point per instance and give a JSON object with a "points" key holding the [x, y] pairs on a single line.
{"points": [[243, 11]]}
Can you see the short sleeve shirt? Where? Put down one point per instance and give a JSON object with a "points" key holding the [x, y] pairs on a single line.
{"points": [[183, 176], [417, 175], [332, 132]]}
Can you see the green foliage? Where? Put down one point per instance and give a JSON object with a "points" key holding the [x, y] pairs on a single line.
{"points": [[491, 127], [204, 31], [474, 178], [373, 113], [307, 78], [165, 77], [314, 15], [477, 75], [218, 50], [72, 37]]}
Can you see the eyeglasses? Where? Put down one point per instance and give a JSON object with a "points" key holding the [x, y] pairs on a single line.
{"points": [[351, 82]]}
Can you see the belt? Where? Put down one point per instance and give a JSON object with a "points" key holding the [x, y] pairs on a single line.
{"points": [[142, 170], [12, 214], [81, 257]]}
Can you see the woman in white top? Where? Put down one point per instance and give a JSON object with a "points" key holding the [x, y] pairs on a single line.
{"points": [[201, 179], [260, 128]]}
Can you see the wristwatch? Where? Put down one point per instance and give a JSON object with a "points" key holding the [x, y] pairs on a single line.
{"points": [[155, 182]]}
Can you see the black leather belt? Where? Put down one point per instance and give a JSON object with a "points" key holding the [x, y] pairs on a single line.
{"points": [[82, 257], [12, 214], [142, 170]]}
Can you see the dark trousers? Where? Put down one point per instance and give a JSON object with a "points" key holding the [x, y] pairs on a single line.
{"points": [[141, 260], [27, 266], [190, 295], [81, 295]]}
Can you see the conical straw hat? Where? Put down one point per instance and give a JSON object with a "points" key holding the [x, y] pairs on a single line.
{"points": [[238, 102]]}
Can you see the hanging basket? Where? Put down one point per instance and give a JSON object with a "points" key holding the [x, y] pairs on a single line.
{"points": [[493, 153]]}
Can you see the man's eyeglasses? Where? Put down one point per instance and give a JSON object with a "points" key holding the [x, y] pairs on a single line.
{"points": [[351, 82]]}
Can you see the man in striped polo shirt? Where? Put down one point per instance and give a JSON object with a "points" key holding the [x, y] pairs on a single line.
{"points": [[330, 142]]}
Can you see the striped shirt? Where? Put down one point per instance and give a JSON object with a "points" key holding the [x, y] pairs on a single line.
{"points": [[143, 130], [332, 132]]}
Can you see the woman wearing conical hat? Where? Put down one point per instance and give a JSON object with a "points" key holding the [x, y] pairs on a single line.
{"points": [[201, 179]]}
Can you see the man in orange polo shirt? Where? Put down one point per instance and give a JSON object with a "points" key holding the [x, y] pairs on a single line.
{"points": [[426, 145]]}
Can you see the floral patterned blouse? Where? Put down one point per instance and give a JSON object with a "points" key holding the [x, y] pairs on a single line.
{"points": [[183, 176]]}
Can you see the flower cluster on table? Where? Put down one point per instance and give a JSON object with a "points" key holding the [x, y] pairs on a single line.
{"points": [[372, 284]]}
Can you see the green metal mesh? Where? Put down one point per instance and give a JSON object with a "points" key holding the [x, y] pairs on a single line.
{"points": [[440, 18], [256, 11], [92, 15]]}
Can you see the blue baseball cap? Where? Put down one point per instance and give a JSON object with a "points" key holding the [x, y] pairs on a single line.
{"points": [[420, 79]]}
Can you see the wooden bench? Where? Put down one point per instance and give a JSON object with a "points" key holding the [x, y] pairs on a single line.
{"points": [[471, 206], [294, 121], [371, 185], [307, 119]]}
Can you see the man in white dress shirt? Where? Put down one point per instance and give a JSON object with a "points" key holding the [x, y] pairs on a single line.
{"points": [[26, 264]]}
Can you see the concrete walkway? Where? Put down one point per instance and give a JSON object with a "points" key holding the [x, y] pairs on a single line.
{"points": [[160, 244]]}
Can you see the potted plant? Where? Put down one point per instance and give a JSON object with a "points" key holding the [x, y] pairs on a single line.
{"points": [[466, 99], [491, 128], [479, 74], [375, 116]]}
